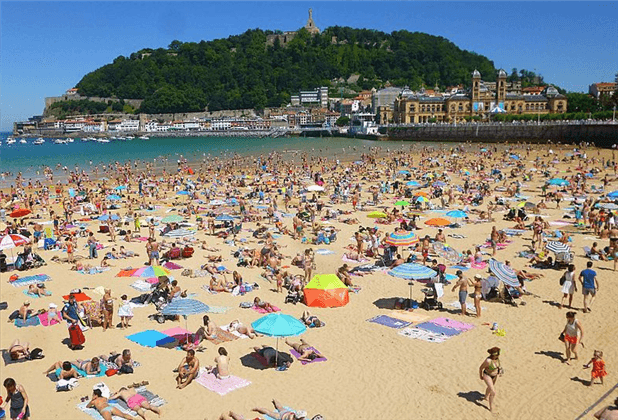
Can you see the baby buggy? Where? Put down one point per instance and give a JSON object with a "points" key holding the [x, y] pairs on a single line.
{"points": [[432, 292]]}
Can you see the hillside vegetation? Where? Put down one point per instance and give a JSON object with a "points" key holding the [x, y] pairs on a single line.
{"points": [[240, 72]]}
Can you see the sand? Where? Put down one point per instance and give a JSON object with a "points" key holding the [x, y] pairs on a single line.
{"points": [[372, 372]]}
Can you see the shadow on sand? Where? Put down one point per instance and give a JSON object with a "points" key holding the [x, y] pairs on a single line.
{"points": [[473, 396]]}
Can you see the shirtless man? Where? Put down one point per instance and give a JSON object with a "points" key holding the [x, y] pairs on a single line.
{"points": [[608, 413], [135, 401], [440, 237], [119, 359], [222, 368], [282, 413], [187, 370], [105, 410], [67, 371], [462, 284]]}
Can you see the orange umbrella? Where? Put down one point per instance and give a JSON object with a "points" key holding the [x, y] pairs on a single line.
{"points": [[20, 213], [438, 221], [422, 193]]}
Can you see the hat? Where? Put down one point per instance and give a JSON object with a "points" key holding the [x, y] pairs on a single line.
{"points": [[53, 306], [477, 276], [26, 303], [459, 272], [300, 414]]}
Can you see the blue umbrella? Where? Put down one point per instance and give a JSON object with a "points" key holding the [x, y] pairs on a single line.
{"points": [[120, 187], [106, 217], [457, 214], [182, 193], [515, 157], [613, 194], [224, 218], [278, 325], [185, 307], [505, 273], [71, 192], [113, 197], [412, 271], [558, 181], [439, 184], [404, 172], [413, 184]]}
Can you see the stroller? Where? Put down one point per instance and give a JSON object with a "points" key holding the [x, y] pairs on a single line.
{"points": [[432, 293]]}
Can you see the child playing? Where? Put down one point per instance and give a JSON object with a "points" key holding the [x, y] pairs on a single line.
{"points": [[125, 312], [598, 367]]}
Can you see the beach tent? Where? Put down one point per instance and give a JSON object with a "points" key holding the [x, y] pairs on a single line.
{"points": [[326, 291]]}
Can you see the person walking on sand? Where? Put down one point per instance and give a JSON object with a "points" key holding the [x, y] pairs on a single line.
{"points": [[462, 284], [590, 285], [598, 367], [17, 397], [478, 287], [489, 371], [569, 286], [573, 332]]}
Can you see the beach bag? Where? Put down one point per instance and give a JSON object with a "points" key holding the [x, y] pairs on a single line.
{"points": [[126, 369], [111, 372], [562, 279], [76, 335]]}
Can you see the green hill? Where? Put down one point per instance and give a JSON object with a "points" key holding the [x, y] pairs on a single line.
{"points": [[241, 72]]}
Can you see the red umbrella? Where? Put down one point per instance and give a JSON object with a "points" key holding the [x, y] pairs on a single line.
{"points": [[12, 241], [20, 213]]}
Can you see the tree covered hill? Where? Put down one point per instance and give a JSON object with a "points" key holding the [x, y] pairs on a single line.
{"points": [[241, 72]]}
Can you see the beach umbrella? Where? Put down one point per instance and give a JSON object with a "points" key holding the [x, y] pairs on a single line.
{"points": [[224, 218], [12, 241], [404, 172], [514, 157], [526, 205], [505, 273], [326, 291], [421, 199], [457, 214], [413, 271], [315, 188], [174, 218], [413, 184], [120, 187], [185, 307], [613, 194], [421, 194], [278, 325], [557, 247], [20, 213], [151, 271], [216, 203], [183, 192], [437, 221], [113, 197], [439, 184], [106, 217], [401, 238], [609, 206], [402, 203], [377, 215], [558, 181], [446, 251]]}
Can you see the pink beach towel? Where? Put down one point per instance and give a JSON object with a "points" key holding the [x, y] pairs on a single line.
{"points": [[142, 238], [264, 311], [172, 266], [480, 265], [44, 319], [221, 386], [450, 323]]}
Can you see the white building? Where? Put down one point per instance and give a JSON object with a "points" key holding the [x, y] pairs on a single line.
{"points": [[128, 125], [163, 127], [151, 126], [74, 126], [192, 125], [94, 127], [220, 124], [318, 97]]}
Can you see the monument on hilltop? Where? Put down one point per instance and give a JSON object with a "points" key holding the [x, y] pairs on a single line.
{"points": [[287, 36]]}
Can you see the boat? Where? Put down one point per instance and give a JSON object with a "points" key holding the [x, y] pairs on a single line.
{"points": [[23, 141], [10, 140], [60, 141], [69, 140], [102, 140], [144, 138], [39, 141]]}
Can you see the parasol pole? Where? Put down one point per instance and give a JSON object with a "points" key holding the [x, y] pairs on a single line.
{"points": [[277, 352]]}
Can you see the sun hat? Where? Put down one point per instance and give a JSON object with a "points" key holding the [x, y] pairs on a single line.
{"points": [[477, 276], [26, 303], [53, 306]]}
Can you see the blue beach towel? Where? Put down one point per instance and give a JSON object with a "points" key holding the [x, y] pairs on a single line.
{"points": [[150, 338], [25, 281], [83, 373], [431, 327], [30, 322], [388, 321], [25, 292], [459, 267], [267, 417]]}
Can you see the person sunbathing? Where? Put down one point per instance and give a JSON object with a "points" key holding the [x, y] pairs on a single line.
{"points": [[105, 410], [215, 258], [238, 326], [187, 370], [274, 357], [38, 290], [67, 371], [263, 305], [219, 285], [307, 354], [282, 413], [79, 266], [205, 247], [311, 321], [19, 350], [135, 401], [222, 368]]}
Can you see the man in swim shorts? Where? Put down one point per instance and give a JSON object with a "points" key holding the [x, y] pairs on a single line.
{"points": [[462, 284], [135, 401]]}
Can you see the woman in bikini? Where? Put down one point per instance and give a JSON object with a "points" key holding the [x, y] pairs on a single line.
{"points": [[307, 353], [18, 350], [478, 287], [107, 307], [257, 302], [489, 371], [311, 321]]}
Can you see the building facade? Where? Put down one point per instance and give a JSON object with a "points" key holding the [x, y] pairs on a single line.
{"points": [[605, 88], [478, 101]]}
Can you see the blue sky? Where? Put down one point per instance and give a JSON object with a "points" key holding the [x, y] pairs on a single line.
{"points": [[46, 47]]}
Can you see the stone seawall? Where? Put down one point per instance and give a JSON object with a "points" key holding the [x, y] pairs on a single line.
{"points": [[135, 103], [603, 135]]}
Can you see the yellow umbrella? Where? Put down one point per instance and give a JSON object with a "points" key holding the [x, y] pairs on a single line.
{"points": [[377, 215]]}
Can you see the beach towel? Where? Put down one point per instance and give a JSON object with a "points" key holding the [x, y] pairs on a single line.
{"points": [[257, 356], [438, 329], [459, 267], [172, 266], [482, 265], [324, 252], [424, 335], [95, 414], [221, 336], [354, 289], [45, 322], [83, 373], [361, 260], [79, 297], [304, 362], [217, 309], [29, 322], [141, 286], [149, 338], [33, 296], [267, 417], [221, 386], [7, 359], [264, 311], [226, 328], [412, 317], [153, 399], [388, 321], [126, 272], [451, 323], [28, 280], [177, 334]]}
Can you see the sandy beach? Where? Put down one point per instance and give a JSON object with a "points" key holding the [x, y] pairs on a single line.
{"points": [[372, 371]]}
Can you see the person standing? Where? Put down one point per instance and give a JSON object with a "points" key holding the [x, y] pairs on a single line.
{"points": [[569, 285], [573, 332], [494, 240], [92, 246], [590, 285], [462, 284], [489, 371], [16, 395], [478, 287]]}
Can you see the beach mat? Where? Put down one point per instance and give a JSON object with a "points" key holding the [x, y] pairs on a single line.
{"points": [[459, 267], [267, 417], [28, 280], [424, 335], [438, 329], [217, 309], [482, 265], [172, 265], [408, 316], [29, 322], [6, 357], [79, 297], [304, 362], [264, 311], [388, 321], [43, 318], [221, 386], [149, 338], [261, 359], [451, 323], [324, 252]]}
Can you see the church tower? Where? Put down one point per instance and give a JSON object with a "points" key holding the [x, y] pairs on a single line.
{"points": [[501, 87], [476, 86], [310, 26]]}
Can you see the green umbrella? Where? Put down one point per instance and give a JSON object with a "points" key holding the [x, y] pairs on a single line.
{"points": [[402, 203]]}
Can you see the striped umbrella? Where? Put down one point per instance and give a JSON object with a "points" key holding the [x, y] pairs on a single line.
{"points": [[13, 241], [557, 247], [401, 238], [224, 218], [505, 273], [421, 199], [609, 206], [185, 307], [151, 271], [412, 271]]}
